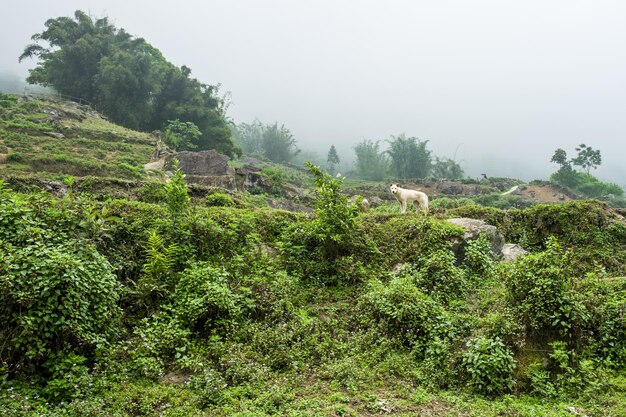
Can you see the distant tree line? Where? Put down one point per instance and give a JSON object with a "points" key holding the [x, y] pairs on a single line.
{"points": [[127, 79], [582, 182], [271, 141], [407, 158]]}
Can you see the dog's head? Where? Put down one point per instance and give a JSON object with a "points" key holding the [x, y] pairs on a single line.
{"points": [[394, 188]]}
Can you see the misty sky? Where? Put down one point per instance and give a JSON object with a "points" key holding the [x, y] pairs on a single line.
{"points": [[496, 84]]}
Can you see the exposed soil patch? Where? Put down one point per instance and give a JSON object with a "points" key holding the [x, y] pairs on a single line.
{"points": [[544, 193]]}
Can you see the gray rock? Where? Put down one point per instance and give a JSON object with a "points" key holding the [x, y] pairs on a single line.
{"points": [[208, 162], [512, 251], [249, 178], [473, 229], [55, 135], [288, 205], [450, 187], [375, 201], [223, 181]]}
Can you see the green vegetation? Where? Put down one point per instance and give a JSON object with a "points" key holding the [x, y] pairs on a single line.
{"points": [[276, 143], [127, 296], [582, 182], [80, 144], [126, 78], [210, 307], [332, 159]]}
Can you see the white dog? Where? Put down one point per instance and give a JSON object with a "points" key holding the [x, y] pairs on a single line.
{"points": [[418, 198]]}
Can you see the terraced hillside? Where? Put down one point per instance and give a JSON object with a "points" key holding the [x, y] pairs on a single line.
{"points": [[53, 138]]}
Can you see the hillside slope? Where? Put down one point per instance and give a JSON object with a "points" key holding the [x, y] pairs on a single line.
{"points": [[49, 137]]}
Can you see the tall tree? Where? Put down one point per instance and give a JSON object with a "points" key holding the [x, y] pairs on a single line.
{"points": [[332, 159], [72, 58], [126, 78], [409, 157], [249, 136], [587, 157], [279, 144], [560, 157], [371, 164], [446, 168]]}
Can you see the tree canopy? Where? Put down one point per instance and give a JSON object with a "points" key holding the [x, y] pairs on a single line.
{"points": [[409, 157], [332, 159], [371, 164], [125, 78]]}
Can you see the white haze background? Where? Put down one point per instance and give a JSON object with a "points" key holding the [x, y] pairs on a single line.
{"points": [[498, 85]]}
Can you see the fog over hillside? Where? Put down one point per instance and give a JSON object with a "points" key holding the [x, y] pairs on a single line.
{"points": [[496, 85]]}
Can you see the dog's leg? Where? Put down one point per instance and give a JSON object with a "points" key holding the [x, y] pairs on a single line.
{"points": [[403, 207]]}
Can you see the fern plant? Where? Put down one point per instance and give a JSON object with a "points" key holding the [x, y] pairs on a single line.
{"points": [[159, 271]]}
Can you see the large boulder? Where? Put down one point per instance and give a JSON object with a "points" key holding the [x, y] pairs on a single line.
{"points": [[249, 178], [203, 163], [512, 251], [473, 229], [450, 187]]}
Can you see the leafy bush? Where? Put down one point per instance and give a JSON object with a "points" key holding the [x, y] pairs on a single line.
{"points": [[156, 340], [401, 309], [203, 300], [209, 385], [584, 183], [541, 291], [407, 239], [605, 299], [438, 276], [220, 200], [447, 202], [53, 295], [479, 259], [489, 366], [324, 248], [69, 376]]}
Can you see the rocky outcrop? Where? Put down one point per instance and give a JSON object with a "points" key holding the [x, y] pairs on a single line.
{"points": [[223, 181], [449, 187], [511, 251], [203, 163], [473, 229], [288, 205], [250, 178], [375, 201]]}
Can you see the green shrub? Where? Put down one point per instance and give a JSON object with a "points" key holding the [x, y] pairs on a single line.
{"points": [[541, 292], [203, 300], [407, 239], [479, 260], [585, 184], [219, 200], [53, 295], [605, 299], [68, 377], [152, 192], [156, 341], [323, 249], [489, 366], [438, 276], [401, 309], [209, 386], [448, 203]]}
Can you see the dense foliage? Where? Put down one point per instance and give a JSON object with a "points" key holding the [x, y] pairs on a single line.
{"points": [[582, 182], [409, 157], [125, 78], [194, 305], [271, 141]]}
